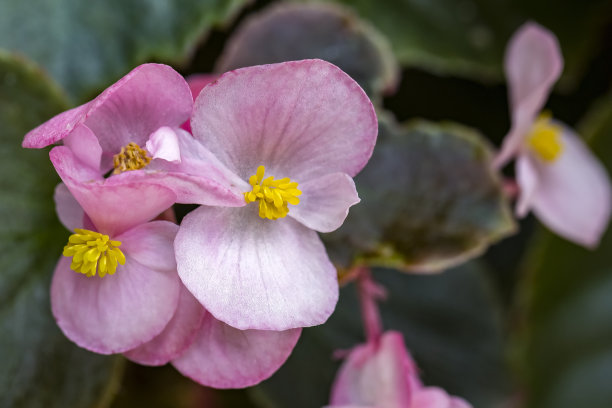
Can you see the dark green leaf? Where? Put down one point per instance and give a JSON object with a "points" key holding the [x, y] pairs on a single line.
{"points": [[469, 37], [429, 200], [288, 32], [86, 45], [450, 323], [566, 343], [40, 367]]}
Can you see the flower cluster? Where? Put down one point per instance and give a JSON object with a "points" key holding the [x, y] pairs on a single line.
{"points": [[268, 153]]}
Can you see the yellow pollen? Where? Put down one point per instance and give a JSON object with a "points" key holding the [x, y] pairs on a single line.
{"points": [[91, 251], [273, 195], [545, 138], [131, 157]]}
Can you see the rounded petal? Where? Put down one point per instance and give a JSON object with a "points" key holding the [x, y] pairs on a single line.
{"points": [[85, 146], [115, 313], [533, 63], [325, 202], [300, 119], [177, 336], [376, 374], [254, 273], [163, 144], [114, 205], [225, 357], [147, 98], [573, 197], [434, 397], [67, 208], [151, 244], [197, 82]]}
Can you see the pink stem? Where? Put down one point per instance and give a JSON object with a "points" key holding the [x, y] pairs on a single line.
{"points": [[369, 294]]}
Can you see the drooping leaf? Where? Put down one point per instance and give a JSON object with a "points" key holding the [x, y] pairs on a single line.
{"points": [[566, 341], [40, 367], [469, 37], [451, 326], [429, 200], [287, 32], [87, 45]]}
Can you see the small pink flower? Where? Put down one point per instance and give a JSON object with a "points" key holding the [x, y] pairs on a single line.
{"points": [[289, 137], [381, 374], [561, 181], [116, 286]]}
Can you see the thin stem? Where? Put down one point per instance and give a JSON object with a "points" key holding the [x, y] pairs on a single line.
{"points": [[369, 294]]}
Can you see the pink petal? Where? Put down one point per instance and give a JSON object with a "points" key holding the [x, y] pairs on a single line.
{"points": [[573, 195], [533, 64], [163, 144], [527, 179], [68, 209], [85, 146], [149, 97], [325, 201], [200, 177], [376, 374], [113, 206], [300, 119], [434, 397], [254, 273], [151, 244], [178, 335], [116, 313], [225, 357], [196, 84]]}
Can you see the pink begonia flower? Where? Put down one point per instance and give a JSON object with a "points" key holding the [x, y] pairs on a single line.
{"points": [[560, 180], [116, 287], [291, 136], [128, 128], [381, 374]]}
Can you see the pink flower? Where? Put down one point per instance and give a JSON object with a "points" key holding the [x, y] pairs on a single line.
{"points": [[381, 374], [559, 178], [129, 128], [116, 286], [289, 137]]}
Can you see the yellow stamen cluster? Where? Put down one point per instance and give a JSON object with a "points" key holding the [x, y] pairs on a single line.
{"points": [[545, 138], [131, 157], [273, 195], [91, 250]]}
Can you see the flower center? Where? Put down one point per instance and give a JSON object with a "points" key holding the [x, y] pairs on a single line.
{"points": [[131, 157], [545, 138], [273, 195], [91, 250]]}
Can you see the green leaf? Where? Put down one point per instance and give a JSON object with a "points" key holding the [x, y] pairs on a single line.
{"points": [[450, 323], [40, 367], [85, 45], [287, 32], [429, 200], [469, 37], [566, 342]]}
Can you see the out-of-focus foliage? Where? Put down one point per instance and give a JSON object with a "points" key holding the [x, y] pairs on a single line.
{"points": [[567, 336], [40, 367], [468, 37], [86, 45], [300, 31], [451, 326], [429, 200]]}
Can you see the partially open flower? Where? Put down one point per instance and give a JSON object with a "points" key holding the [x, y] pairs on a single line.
{"points": [[561, 181]]}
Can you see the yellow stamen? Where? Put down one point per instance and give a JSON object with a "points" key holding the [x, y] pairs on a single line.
{"points": [[545, 138], [91, 251], [131, 157], [273, 195]]}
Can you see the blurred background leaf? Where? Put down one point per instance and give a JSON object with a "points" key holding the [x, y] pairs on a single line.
{"points": [[86, 45], [451, 325], [40, 367], [287, 32], [565, 345], [429, 200], [468, 37]]}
